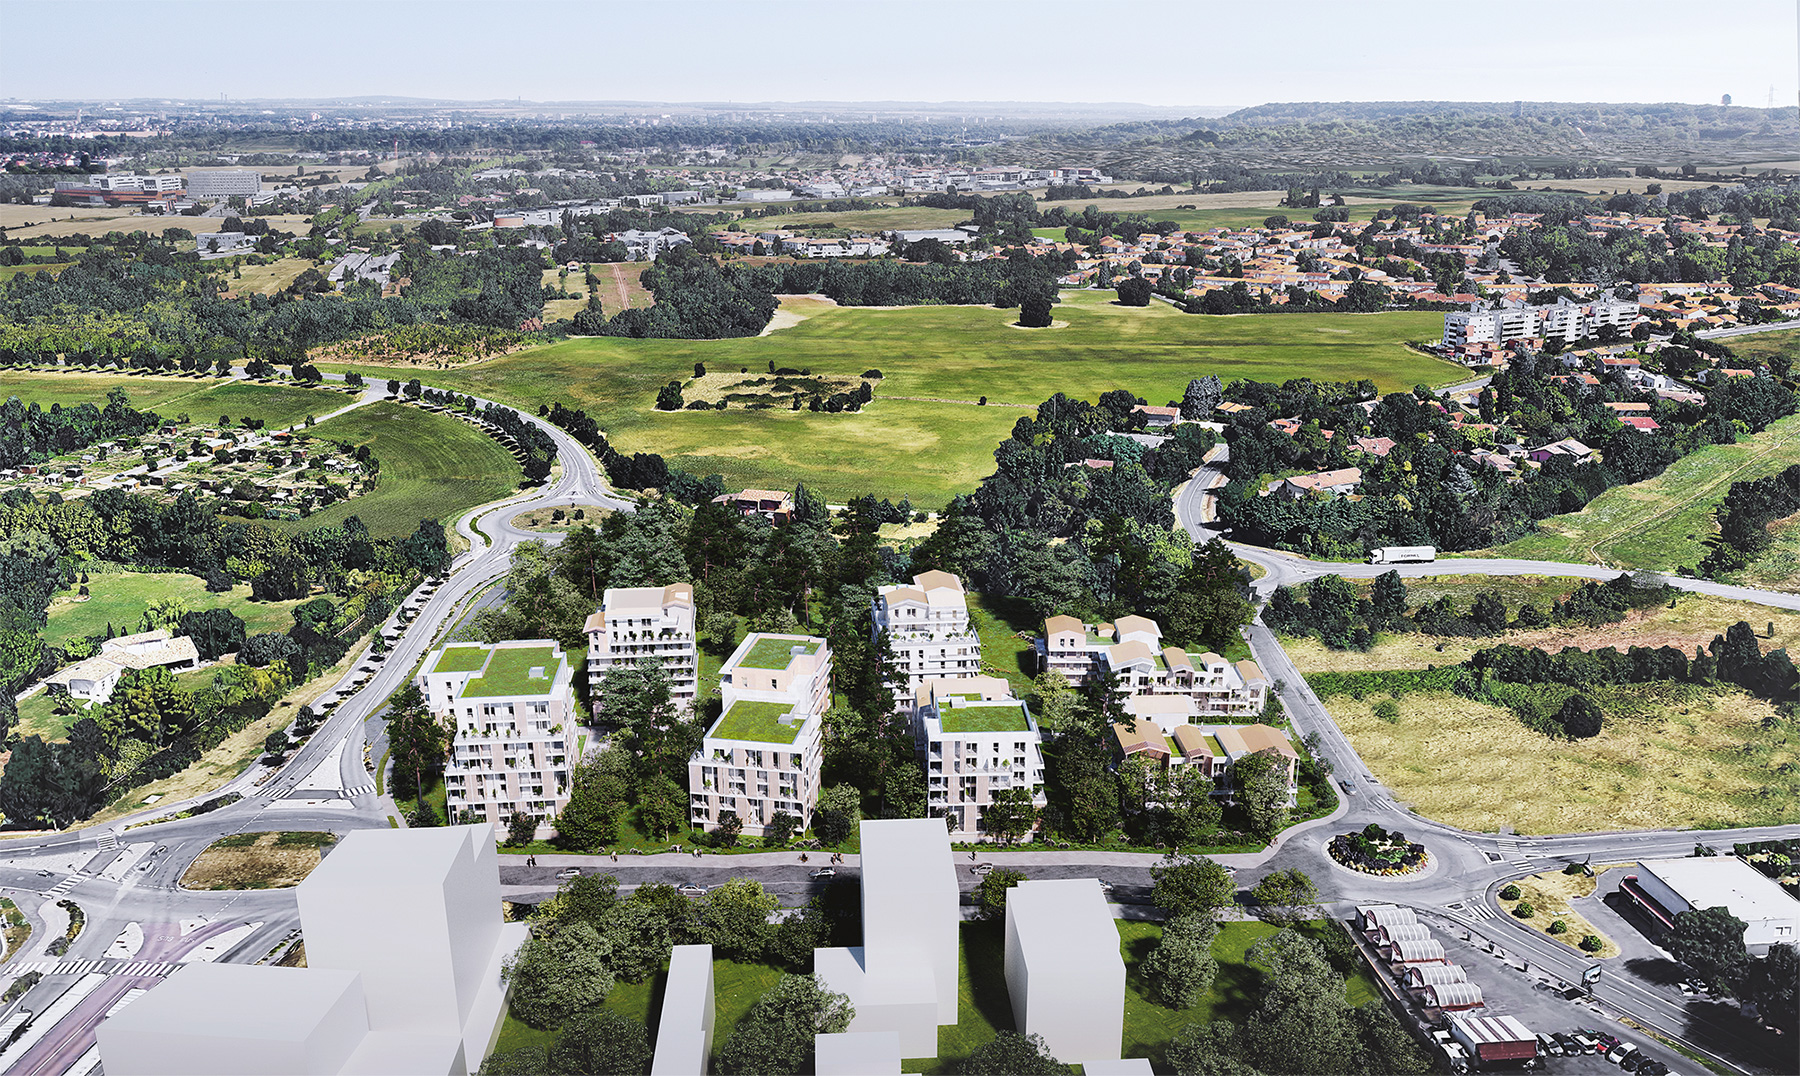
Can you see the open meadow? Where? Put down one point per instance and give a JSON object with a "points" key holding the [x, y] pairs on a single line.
{"points": [[119, 598], [1669, 755], [432, 467], [203, 399], [926, 435], [1663, 523]]}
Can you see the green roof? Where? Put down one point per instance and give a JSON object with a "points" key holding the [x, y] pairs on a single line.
{"points": [[508, 672], [1213, 745], [461, 659], [997, 716], [775, 652], [757, 721]]}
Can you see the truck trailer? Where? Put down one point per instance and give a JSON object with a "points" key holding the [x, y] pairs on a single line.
{"points": [[1495, 1041], [1402, 554]]}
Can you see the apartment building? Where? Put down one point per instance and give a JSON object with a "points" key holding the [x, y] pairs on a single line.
{"points": [[976, 739], [224, 184], [1215, 749], [927, 625], [1511, 321], [1164, 679], [512, 714], [646, 624], [762, 755]]}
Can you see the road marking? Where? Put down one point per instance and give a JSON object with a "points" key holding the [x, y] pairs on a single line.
{"points": [[67, 884], [109, 841], [360, 790], [101, 967]]}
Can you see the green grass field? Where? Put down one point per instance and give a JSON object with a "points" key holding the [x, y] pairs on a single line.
{"points": [[119, 599], [924, 436], [7, 272], [204, 400], [432, 467], [1664, 522]]}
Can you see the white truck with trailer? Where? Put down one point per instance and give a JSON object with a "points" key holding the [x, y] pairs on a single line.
{"points": [[1403, 554]]}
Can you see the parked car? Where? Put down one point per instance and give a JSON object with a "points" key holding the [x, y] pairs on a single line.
{"points": [[691, 889], [1567, 1043], [569, 872], [1653, 1067], [1549, 1046], [1620, 1052], [983, 868], [1633, 1062], [1584, 1041], [824, 872]]}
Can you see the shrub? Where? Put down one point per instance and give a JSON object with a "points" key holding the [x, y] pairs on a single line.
{"points": [[1509, 892], [1591, 943], [1525, 910], [1388, 710], [1559, 927]]}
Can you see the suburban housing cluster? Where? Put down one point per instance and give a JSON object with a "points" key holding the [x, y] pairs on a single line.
{"points": [[511, 708]]}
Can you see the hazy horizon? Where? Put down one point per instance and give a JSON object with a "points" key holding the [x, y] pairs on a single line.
{"points": [[1205, 58]]}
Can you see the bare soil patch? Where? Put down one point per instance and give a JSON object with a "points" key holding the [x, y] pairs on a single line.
{"points": [[258, 860]]}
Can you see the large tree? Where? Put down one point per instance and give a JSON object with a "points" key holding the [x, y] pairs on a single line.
{"points": [[1209, 607], [419, 742], [1181, 967], [1710, 941], [560, 971], [775, 1038], [602, 1043], [1191, 885], [1260, 785], [1012, 1054]]}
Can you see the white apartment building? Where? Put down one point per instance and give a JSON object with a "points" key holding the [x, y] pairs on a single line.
{"points": [[976, 739], [646, 624], [1511, 321], [762, 755], [1132, 649], [224, 184], [927, 625], [122, 182], [512, 713]]}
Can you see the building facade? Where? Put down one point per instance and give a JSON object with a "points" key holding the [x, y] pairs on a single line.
{"points": [[1213, 749], [976, 740], [763, 753], [228, 184], [1132, 649], [927, 626], [512, 714], [646, 624], [1511, 321]]}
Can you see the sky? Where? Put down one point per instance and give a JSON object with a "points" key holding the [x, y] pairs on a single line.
{"points": [[1197, 53]]}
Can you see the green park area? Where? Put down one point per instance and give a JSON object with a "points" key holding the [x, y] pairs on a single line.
{"points": [[926, 435], [432, 467], [1664, 522], [202, 399], [119, 599]]}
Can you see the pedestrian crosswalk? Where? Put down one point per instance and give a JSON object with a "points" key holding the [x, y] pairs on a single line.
{"points": [[1472, 909], [67, 884], [104, 967], [360, 790], [1513, 853], [109, 841]]}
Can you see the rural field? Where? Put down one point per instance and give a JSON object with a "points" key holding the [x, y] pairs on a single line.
{"points": [[268, 279], [432, 467], [1669, 755], [204, 399], [258, 860], [926, 436], [120, 598], [1693, 621], [1664, 522]]}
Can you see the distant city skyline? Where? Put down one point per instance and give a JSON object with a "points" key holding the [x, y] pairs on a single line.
{"points": [[1203, 56]]}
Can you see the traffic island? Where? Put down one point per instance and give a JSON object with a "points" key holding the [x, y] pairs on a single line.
{"points": [[1544, 902], [1378, 852]]}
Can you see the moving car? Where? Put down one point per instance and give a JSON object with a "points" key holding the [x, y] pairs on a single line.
{"points": [[982, 868], [569, 872], [824, 872], [691, 889]]}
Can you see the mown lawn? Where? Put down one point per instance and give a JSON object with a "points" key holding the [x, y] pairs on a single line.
{"points": [[120, 598], [925, 436], [1664, 522], [203, 400], [432, 467]]}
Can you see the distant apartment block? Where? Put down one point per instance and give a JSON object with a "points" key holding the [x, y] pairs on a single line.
{"points": [[1511, 321], [637, 624], [976, 740], [762, 755], [512, 714], [927, 625], [1198, 685], [235, 183]]}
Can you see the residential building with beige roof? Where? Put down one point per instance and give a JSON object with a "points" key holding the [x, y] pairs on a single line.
{"points": [[763, 753], [927, 626], [94, 679], [976, 740], [1132, 649], [636, 624], [1214, 748], [511, 710]]}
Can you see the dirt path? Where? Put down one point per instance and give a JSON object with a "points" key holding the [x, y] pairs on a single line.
{"points": [[616, 269]]}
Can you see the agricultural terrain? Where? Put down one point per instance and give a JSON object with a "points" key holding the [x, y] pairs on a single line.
{"points": [[927, 435], [204, 399]]}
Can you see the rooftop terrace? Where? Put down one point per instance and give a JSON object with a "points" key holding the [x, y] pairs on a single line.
{"points": [[996, 715], [776, 652], [758, 722], [461, 659], [509, 670]]}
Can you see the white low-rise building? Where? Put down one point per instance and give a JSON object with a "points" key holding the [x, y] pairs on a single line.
{"points": [[93, 680], [763, 753], [637, 624], [976, 740], [1668, 887], [927, 627], [512, 715], [1132, 649]]}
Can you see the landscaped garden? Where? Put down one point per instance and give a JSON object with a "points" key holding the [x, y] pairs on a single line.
{"points": [[1373, 850]]}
